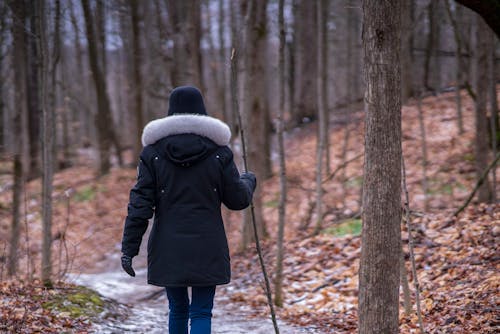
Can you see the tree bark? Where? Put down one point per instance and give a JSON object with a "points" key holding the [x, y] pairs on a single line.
{"points": [[137, 75], [423, 139], [3, 28], [34, 108], [222, 66], [291, 48], [47, 142], [322, 68], [430, 47], [492, 87], [103, 121], [52, 93], [19, 40], [459, 67], [185, 17], [256, 111], [84, 117], [278, 286], [381, 234], [406, 50], [235, 47], [306, 102], [481, 121]]}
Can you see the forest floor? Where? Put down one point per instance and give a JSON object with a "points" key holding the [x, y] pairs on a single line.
{"points": [[456, 258]]}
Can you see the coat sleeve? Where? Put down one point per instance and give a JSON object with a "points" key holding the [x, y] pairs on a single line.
{"points": [[237, 190], [140, 208]]}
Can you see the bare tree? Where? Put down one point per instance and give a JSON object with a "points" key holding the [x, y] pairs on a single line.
{"points": [[432, 42], [223, 65], [235, 47], [103, 121], [423, 139], [406, 50], [19, 15], [34, 106], [47, 141], [460, 66], [481, 89], [185, 17], [492, 88], [256, 111], [81, 78], [322, 10], [278, 286], [305, 28], [381, 234], [137, 76], [3, 29]]}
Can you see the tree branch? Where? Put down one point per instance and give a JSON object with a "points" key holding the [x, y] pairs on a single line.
{"points": [[478, 184]]}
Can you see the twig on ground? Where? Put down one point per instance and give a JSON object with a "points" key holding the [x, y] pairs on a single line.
{"points": [[478, 184], [410, 247]]}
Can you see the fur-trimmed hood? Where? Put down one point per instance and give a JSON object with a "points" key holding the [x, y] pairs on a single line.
{"points": [[202, 125]]}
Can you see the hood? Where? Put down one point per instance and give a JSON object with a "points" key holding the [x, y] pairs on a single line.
{"points": [[202, 125], [187, 149]]}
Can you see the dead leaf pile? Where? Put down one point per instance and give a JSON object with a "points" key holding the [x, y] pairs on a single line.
{"points": [[22, 309], [457, 264]]}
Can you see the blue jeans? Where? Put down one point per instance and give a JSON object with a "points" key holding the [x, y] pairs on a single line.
{"points": [[200, 310]]}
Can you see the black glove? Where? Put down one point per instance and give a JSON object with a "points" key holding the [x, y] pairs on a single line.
{"points": [[250, 177], [127, 265]]}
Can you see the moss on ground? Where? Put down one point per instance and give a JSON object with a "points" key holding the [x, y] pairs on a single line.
{"points": [[349, 227], [78, 302]]}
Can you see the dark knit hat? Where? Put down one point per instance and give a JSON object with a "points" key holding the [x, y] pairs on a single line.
{"points": [[186, 100]]}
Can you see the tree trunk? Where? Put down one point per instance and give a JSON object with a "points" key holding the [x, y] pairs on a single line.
{"points": [[34, 108], [423, 137], [256, 111], [278, 286], [52, 94], [323, 39], [214, 67], [137, 83], [47, 141], [222, 66], [103, 121], [481, 121], [431, 44], [381, 235], [19, 64], [406, 47], [322, 68], [459, 67], [306, 102], [3, 16], [235, 46], [84, 117], [291, 48], [492, 87], [185, 17], [100, 25]]}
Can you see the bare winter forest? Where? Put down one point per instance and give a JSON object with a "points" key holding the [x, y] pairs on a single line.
{"points": [[372, 128]]}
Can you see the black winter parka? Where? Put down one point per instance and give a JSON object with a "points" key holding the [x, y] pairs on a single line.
{"points": [[186, 170]]}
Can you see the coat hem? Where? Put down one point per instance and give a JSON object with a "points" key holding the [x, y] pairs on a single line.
{"points": [[169, 285]]}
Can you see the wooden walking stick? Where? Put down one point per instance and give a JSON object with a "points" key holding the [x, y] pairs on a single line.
{"points": [[252, 210]]}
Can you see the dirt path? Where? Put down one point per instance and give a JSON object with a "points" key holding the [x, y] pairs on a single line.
{"points": [[150, 315]]}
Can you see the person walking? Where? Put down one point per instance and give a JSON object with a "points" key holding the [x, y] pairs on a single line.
{"points": [[186, 171]]}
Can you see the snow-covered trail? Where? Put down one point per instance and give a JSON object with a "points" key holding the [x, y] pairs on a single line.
{"points": [[147, 314]]}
